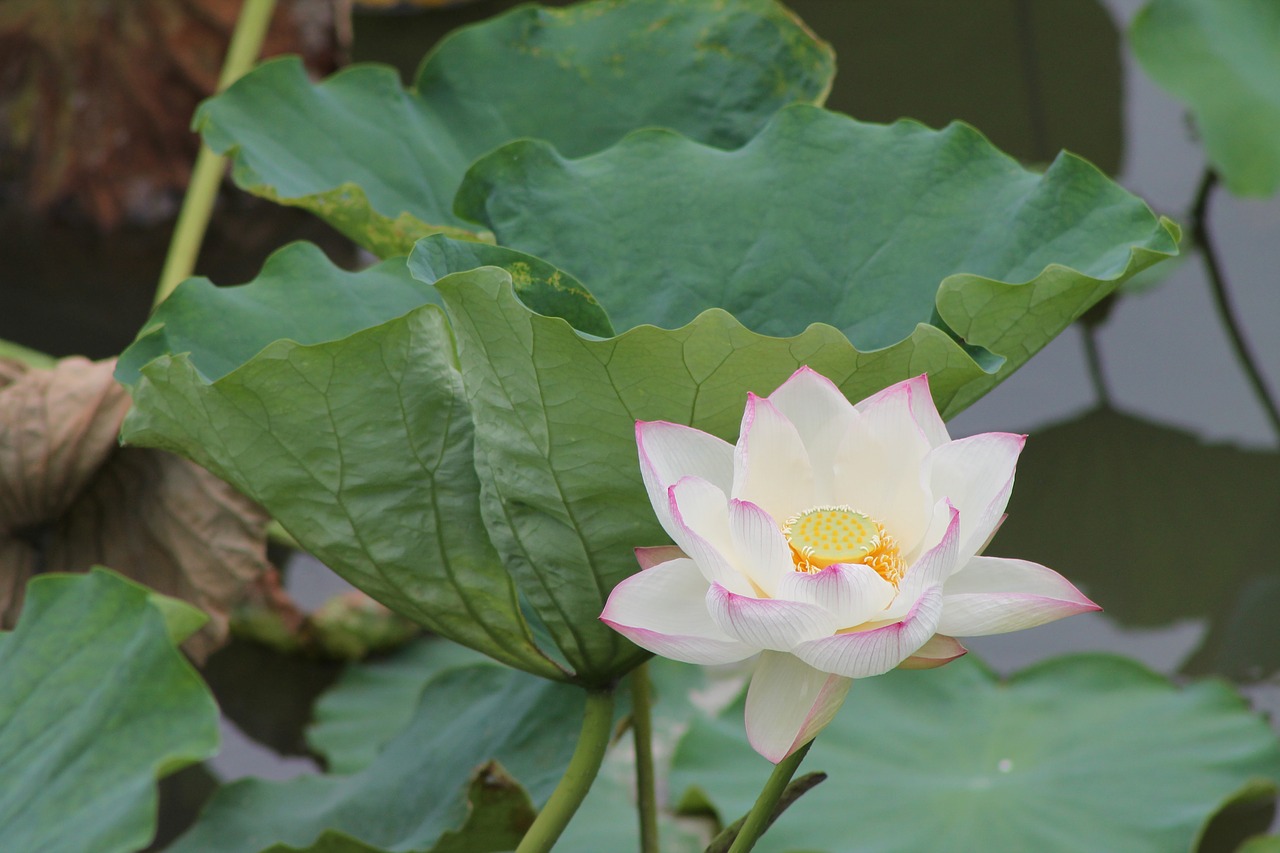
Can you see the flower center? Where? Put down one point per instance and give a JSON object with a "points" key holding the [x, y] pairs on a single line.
{"points": [[826, 535]]}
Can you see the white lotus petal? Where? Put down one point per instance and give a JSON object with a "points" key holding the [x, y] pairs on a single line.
{"points": [[821, 416], [852, 594], [937, 651], [882, 482], [929, 572], [762, 550], [657, 554], [770, 465], [767, 623], [670, 451], [663, 609], [993, 595], [788, 703], [890, 417], [914, 395], [976, 475], [700, 526], [865, 653]]}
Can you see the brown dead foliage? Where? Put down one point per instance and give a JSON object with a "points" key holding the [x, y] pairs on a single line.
{"points": [[71, 498], [96, 96]]}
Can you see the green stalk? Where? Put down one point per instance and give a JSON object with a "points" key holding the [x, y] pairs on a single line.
{"points": [[197, 206], [1222, 301], [642, 732], [593, 740], [761, 814]]}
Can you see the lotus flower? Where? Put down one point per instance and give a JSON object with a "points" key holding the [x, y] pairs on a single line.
{"points": [[836, 541]]}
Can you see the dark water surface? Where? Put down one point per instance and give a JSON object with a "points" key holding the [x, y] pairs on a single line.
{"points": [[1152, 476]]}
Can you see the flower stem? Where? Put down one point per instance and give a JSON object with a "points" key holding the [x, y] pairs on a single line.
{"points": [[642, 732], [1222, 301], [206, 175], [597, 724], [761, 814]]}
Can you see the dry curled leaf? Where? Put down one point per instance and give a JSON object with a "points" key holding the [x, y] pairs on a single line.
{"points": [[70, 498], [96, 96]]}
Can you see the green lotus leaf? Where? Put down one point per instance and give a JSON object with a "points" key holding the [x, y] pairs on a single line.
{"points": [[1262, 844], [484, 747], [555, 416], [381, 163], [299, 295], [374, 701], [1129, 482], [96, 704], [361, 446], [872, 229], [1090, 752], [1220, 59], [537, 283]]}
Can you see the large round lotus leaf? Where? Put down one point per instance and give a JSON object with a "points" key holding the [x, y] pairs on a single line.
{"points": [[360, 446], [1141, 490], [555, 412], [374, 701], [483, 748], [1090, 752], [96, 703], [381, 163], [1220, 57], [872, 229]]}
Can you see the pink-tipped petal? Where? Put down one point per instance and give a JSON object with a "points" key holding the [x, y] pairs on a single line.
{"points": [[700, 519], [994, 595], [976, 475], [761, 548], [932, 569], [866, 653], [821, 416], [658, 554], [788, 703], [916, 610], [767, 623], [663, 610], [670, 451], [914, 396], [891, 419], [939, 650], [853, 594], [770, 465]]}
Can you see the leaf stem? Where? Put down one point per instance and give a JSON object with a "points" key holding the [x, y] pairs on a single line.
{"points": [[642, 732], [761, 814], [597, 724], [1222, 300], [206, 175]]}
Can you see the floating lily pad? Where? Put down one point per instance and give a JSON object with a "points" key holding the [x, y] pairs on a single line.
{"points": [[1140, 491], [96, 704], [1220, 58], [381, 163], [485, 747], [871, 229], [374, 701], [1091, 752]]}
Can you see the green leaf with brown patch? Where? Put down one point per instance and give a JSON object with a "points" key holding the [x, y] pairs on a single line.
{"points": [[381, 163]]}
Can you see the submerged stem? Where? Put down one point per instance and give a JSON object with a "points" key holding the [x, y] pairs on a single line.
{"points": [[642, 732], [206, 175], [759, 818], [597, 724], [1221, 299]]}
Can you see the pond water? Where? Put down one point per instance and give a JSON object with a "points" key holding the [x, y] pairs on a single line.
{"points": [[1152, 475]]}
